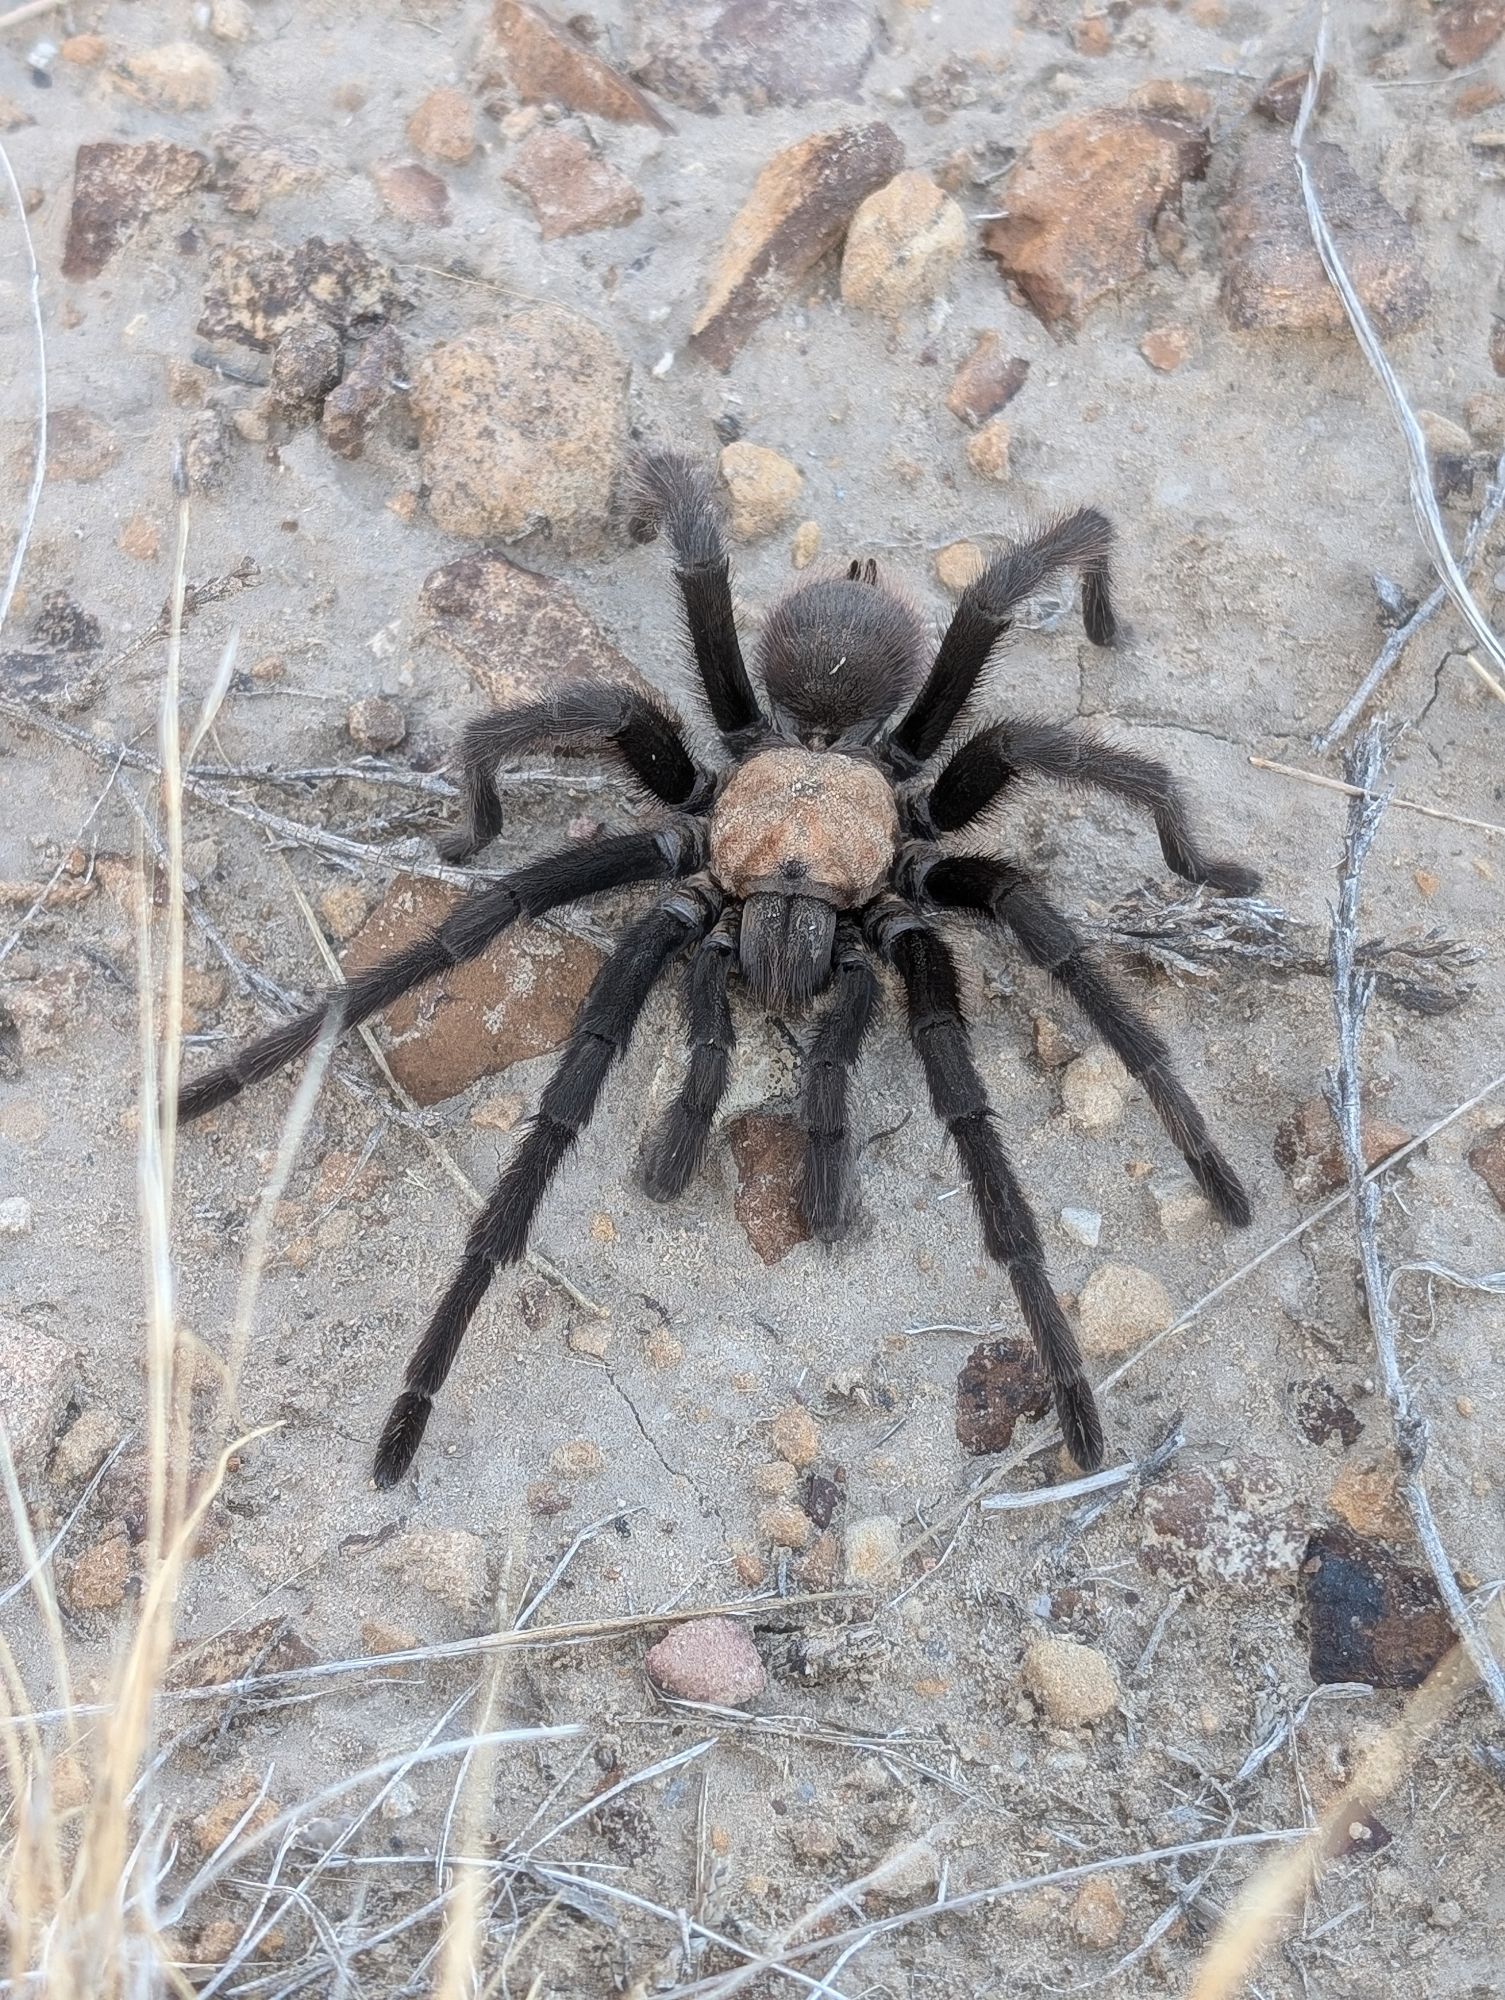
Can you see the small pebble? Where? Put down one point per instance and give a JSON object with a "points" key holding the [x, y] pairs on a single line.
{"points": [[806, 544], [15, 1216], [1073, 1684], [902, 246], [1166, 347], [795, 1436], [871, 1551], [1122, 1306], [988, 450], [578, 1459], [1082, 1225], [443, 126], [785, 1526], [1094, 1090], [707, 1659], [1098, 1914], [376, 724], [449, 1563], [906, 1876], [763, 486], [1185, 1212], [959, 564]]}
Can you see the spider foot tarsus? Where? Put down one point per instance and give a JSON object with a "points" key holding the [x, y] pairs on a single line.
{"points": [[401, 1436]]}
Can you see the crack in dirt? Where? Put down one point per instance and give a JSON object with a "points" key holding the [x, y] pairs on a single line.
{"points": [[674, 1471]]}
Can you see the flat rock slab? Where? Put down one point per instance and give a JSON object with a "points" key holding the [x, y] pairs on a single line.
{"points": [[116, 188], [1082, 202], [522, 635], [548, 64], [517, 1001], [799, 209], [700, 53], [768, 1150], [1273, 279]]}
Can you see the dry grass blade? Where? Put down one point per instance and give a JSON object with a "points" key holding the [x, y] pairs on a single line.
{"points": [[1353, 988], [1402, 805], [39, 466], [1267, 1902], [1423, 500]]}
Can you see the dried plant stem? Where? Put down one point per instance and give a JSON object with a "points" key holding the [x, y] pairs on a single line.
{"points": [[39, 341], [1496, 688], [31, 10], [1353, 988], [1351, 791], [1265, 1904]]}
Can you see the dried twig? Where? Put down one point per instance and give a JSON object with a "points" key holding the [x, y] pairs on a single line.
{"points": [[1423, 500], [1403, 805], [1191, 935], [1141, 1469], [39, 467], [1353, 987]]}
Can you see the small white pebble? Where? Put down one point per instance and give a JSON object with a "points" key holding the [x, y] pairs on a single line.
{"points": [[15, 1216], [1082, 1225], [663, 364]]}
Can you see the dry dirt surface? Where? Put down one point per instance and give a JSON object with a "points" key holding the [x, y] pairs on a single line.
{"points": [[377, 300]]}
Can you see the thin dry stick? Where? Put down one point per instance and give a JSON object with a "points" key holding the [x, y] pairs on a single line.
{"points": [[1353, 989], [1265, 1904], [28, 12], [1494, 686], [1423, 500], [1352, 791], [39, 467]]}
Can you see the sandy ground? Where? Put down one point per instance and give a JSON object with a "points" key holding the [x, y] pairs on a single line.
{"points": [[1256, 489]]}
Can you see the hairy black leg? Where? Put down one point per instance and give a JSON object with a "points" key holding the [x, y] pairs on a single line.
{"points": [[826, 1177], [973, 883], [989, 762], [673, 493], [1081, 540], [499, 1235], [939, 1034], [564, 877], [676, 1149], [645, 733]]}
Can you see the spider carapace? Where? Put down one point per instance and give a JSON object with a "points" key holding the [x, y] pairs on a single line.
{"points": [[817, 851]]}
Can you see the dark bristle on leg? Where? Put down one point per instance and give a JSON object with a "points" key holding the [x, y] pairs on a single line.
{"points": [[981, 771], [644, 733], [676, 1149], [499, 1234], [563, 877], [939, 1034], [992, 888], [672, 492], [826, 1190], [1082, 541]]}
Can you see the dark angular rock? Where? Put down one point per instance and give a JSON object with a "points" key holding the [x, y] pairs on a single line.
{"points": [[1322, 1414], [985, 381], [115, 188], [1468, 30], [799, 208], [371, 385], [768, 1150], [1273, 278], [699, 53], [1369, 1617], [1000, 1382]]}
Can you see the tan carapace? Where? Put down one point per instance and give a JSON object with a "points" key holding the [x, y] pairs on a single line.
{"points": [[805, 822]]}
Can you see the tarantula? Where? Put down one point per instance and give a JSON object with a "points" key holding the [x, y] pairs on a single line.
{"points": [[812, 856]]}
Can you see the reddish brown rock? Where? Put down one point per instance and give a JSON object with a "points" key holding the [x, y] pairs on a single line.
{"points": [[707, 1659], [273, 1645], [986, 380], [412, 193], [1307, 1146], [902, 246], [573, 189], [546, 64], [116, 187], [1468, 30], [1229, 1525], [306, 364], [768, 1151], [97, 1580], [517, 1001], [1369, 1618], [1280, 95], [1488, 1161], [375, 381], [443, 126], [520, 634], [80, 446], [1272, 276], [1000, 1382], [257, 288], [700, 53], [1083, 201], [1166, 347], [522, 427], [798, 210]]}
